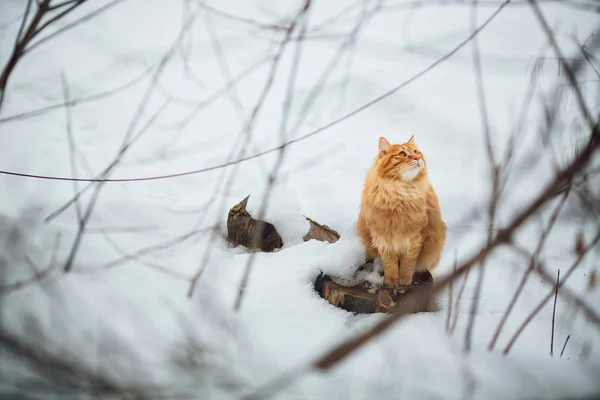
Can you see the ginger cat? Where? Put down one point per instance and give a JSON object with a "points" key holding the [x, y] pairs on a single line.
{"points": [[400, 218]]}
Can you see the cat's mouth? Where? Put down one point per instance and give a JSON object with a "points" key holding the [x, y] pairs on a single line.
{"points": [[416, 164]]}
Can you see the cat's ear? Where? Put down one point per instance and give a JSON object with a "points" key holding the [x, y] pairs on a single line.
{"points": [[384, 146], [411, 140]]}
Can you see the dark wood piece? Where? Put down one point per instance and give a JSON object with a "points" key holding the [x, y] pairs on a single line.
{"points": [[247, 231], [362, 300], [244, 230]]}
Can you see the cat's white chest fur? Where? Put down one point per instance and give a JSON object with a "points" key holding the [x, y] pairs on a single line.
{"points": [[411, 174]]}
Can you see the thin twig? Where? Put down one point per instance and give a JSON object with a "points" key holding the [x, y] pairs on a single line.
{"points": [[450, 293], [565, 346], [458, 299], [55, 6], [72, 150], [38, 275], [33, 265], [157, 267], [81, 100], [257, 24], [494, 172], [554, 314], [154, 248]]}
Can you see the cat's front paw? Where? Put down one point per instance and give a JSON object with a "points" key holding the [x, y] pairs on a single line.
{"points": [[397, 282], [391, 281], [404, 281]]}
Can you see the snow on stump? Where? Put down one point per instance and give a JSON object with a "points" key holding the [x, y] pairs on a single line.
{"points": [[255, 234], [244, 230], [364, 300]]}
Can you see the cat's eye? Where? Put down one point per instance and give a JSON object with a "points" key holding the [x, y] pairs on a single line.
{"points": [[402, 154], [416, 151]]}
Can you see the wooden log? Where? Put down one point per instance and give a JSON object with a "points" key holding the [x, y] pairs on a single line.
{"points": [[363, 300], [247, 231], [244, 230]]}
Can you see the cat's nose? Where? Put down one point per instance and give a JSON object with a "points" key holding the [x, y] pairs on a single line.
{"points": [[416, 158]]}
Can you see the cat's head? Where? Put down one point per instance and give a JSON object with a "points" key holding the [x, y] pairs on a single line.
{"points": [[401, 161]]}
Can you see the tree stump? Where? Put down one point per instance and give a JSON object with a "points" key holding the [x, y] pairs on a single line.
{"points": [[362, 300], [244, 230]]}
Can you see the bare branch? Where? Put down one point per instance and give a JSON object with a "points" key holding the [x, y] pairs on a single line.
{"points": [[73, 5], [74, 24], [24, 20], [24, 37], [19, 47], [38, 275], [64, 3]]}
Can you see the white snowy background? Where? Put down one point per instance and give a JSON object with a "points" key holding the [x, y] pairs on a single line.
{"points": [[130, 317]]}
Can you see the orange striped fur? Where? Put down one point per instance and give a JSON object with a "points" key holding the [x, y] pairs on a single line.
{"points": [[400, 218]]}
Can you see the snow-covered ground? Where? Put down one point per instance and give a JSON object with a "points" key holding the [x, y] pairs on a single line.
{"points": [[130, 316]]}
